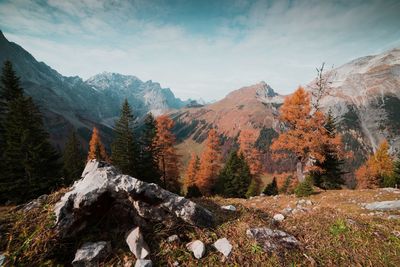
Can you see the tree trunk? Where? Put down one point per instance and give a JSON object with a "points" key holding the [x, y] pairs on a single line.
{"points": [[300, 171]]}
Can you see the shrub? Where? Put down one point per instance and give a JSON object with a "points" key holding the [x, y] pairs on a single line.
{"points": [[193, 191], [304, 189], [271, 189], [253, 189]]}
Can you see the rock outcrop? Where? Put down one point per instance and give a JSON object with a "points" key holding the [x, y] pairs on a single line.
{"points": [[273, 240], [102, 184]]}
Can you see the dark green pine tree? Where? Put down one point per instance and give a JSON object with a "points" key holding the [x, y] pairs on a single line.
{"points": [[31, 163], [271, 189], [148, 167], [331, 174], [9, 91], [395, 177], [234, 179], [124, 148], [73, 160]]}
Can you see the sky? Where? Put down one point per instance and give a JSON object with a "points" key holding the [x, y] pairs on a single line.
{"points": [[205, 48]]}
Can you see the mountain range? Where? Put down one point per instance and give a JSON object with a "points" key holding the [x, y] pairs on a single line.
{"points": [[71, 102], [363, 95]]}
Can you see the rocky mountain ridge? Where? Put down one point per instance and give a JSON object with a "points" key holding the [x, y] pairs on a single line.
{"points": [[70, 102]]}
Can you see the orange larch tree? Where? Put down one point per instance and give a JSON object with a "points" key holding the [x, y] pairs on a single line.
{"points": [[168, 159], [252, 155], [96, 147], [378, 166], [191, 171], [305, 133], [209, 164]]}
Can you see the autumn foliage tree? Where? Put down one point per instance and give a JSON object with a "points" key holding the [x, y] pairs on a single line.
{"points": [[247, 147], [377, 167], [191, 173], [168, 159], [305, 135], [209, 164], [96, 148]]}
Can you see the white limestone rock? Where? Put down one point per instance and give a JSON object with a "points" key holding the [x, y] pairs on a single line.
{"points": [[136, 244], [223, 246], [229, 207], [197, 247]]}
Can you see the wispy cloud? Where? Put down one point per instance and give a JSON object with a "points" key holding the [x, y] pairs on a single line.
{"points": [[201, 48]]}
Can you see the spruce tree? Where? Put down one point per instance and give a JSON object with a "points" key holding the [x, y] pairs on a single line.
{"points": [[271, 189], [330, 175], [148, 170], [31, 163], [73, 160], [234, 179], [124, 148]]}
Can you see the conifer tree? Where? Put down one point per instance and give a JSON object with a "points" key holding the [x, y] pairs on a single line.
{"points": [[191, 171], [209, 164], [272, 188], [168, 159], [30, 162], [378, 166], [148, 169], [73, 160], [396, 173], [124, 149], [247, 141], [306, 133], [96, 148], [234, 179], [329, 174]]}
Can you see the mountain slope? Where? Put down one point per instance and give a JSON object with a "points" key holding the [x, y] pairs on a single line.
{"points": [[70, 102], [364, 95]]}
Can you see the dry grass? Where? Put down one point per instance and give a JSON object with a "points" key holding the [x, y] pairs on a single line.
{"points": [[335, 231]]}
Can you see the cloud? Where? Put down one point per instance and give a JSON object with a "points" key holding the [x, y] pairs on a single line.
{"points": [[202, 50]]}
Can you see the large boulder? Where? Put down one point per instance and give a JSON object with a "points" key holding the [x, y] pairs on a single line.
{"points": [[102, 183]]}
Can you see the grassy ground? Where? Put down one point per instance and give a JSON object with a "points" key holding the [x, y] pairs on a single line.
{"points": [[335, 231]]}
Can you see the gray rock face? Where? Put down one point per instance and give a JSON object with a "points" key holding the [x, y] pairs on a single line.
{"points": [[223, 246], [273, 240], [90, 254], [143, 263], [101, 179], [136, 244], [384, 205], [197, 247]]}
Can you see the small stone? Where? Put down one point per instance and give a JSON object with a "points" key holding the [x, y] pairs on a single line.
{"points": [[173, 238], [143, 263], [396, 233], [197, 247], [89, 254], [223, 246], [309, 202], [279, 217], [136, 244], [2, 259], [394, 217], [262, 195], [229, 207], [176, 263]]}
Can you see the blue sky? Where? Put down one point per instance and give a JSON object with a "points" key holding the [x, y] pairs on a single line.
{"points": [[202, 48]]}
